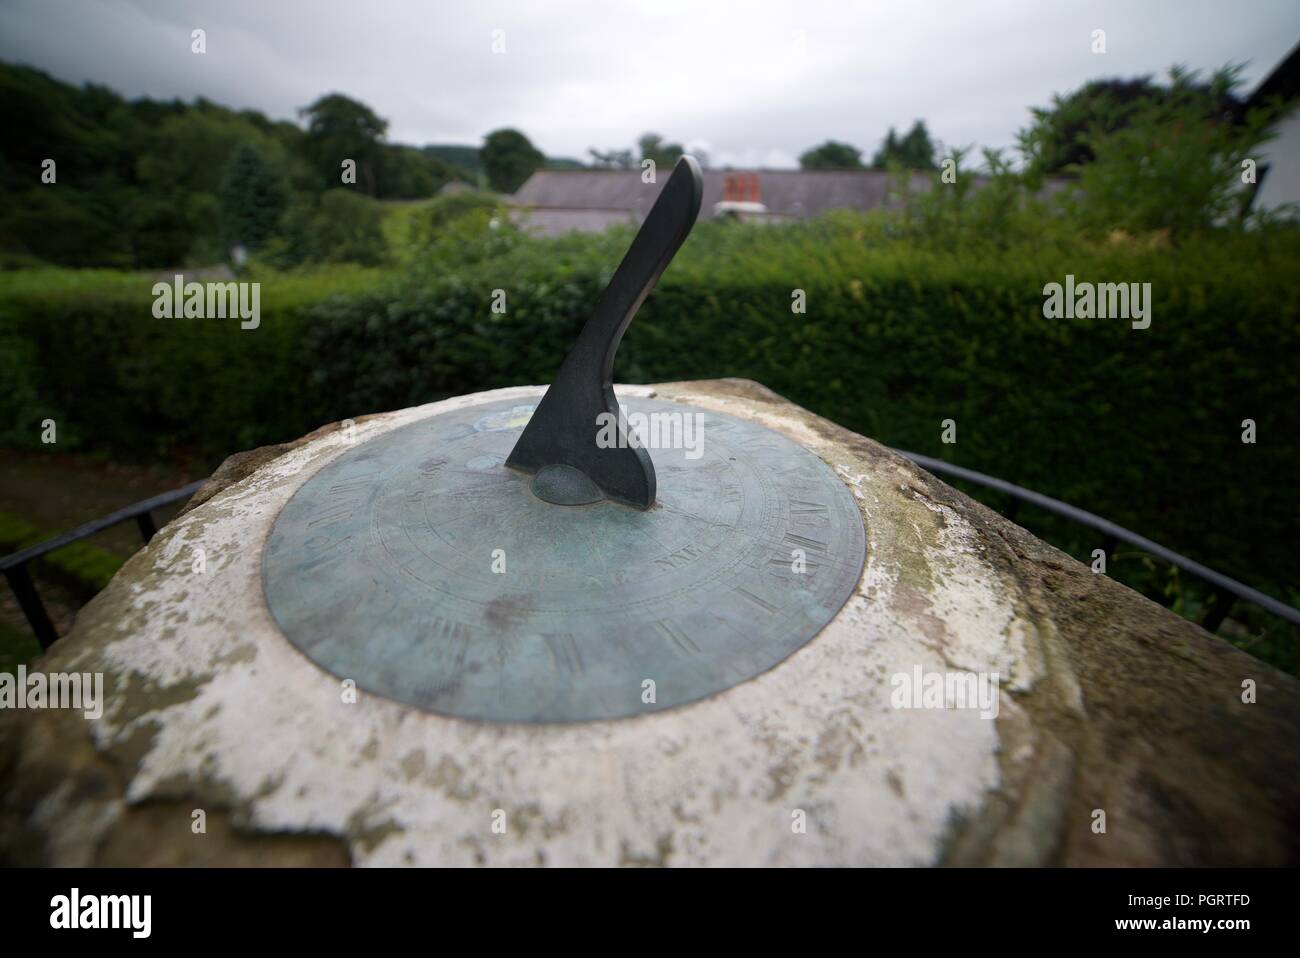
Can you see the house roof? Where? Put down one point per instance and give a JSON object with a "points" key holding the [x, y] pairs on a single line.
{"points": [[1283, 82], [556, 201], [795, 193]]}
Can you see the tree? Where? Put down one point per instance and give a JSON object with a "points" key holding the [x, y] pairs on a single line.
{"points": [[654, 148], [63, 226], [253, 197], [338, 226], [612, 159], [917, 148], [462, 161], [832, 156], [408, 173], [349, 229], [509, 158], [650, 146], [1058, 138], [191, 151], [1171, 165], [340, 128], [915, 151]]}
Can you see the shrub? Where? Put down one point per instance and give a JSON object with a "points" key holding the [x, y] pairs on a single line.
{"points": [[1142, 427], [338, 227], [1169, 169]]}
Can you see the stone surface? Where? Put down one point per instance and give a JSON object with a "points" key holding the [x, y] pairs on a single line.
{"points": [[1109, 702]]}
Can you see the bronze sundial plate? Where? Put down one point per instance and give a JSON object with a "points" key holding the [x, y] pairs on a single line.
{"points": [[421, 567]]}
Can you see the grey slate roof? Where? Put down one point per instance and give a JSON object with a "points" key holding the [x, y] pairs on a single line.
{"points": [[555, 201], [797, 193]]}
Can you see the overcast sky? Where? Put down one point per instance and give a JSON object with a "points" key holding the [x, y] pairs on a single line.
{"points": [[752, 82]]}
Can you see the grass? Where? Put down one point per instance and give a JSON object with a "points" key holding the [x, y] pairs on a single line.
{"points": [[17, 647], [399, 221], [85, 567], [280, 288]]}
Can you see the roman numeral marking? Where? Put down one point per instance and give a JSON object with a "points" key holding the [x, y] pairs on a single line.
{"points": [[805, 542], [338, 513], [674, 633], [797, 469], [783, 562], [681, 557], [322, 550], [455, 634], [809, 513], [564, 652], [355, 484], [323, 543], [760, 602]]}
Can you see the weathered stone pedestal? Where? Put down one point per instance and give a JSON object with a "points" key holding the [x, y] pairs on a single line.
{"points": [[1108, 703]]}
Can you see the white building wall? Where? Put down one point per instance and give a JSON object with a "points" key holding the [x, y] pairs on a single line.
{"points": [[1281, 185]]}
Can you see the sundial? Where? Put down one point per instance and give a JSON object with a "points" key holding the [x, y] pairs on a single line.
{"points": [[571, 560]]}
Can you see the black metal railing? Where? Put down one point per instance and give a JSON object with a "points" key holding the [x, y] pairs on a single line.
{"points": [[1226, 590], [14, 566]]}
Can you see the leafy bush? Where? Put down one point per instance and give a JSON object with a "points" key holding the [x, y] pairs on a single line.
{"points": [[458, 230], [116, 379], [1060, 137], [1168, 169], [901, 332], [1140, 426], [339, 227]]}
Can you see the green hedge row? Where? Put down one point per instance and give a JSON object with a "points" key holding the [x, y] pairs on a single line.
{"points": [[1141, 426], [86, 351]]}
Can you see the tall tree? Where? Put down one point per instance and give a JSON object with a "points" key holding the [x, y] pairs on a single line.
{"points": [[509, 158], [654, 148], [253, 197], [1059, 136], [832, 156], [914, 151], [1172, 165], [340, 128], [918, 148], [650, 146], [612, 159], [888, 151]]}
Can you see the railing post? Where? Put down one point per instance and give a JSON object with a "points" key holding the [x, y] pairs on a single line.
{"points": [[147, 529], [1108, 546], [31, 605], [1216, 610]]}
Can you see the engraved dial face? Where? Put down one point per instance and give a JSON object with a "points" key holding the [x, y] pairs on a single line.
{"points": [[420, 567]]}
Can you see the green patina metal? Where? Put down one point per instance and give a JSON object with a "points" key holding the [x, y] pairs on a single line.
{"points": [[422, 568], [573, 560]]}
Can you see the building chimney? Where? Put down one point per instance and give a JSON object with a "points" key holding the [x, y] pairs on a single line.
{"points": [[741, 188]]}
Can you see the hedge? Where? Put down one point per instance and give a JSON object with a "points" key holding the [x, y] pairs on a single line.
{"points": [[1141, 426], [86, 351]]}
